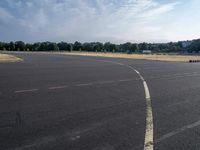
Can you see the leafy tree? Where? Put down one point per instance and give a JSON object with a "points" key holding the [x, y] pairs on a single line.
{"points": [[77, 46], [143, 46], [12, 46], [109, 47], [29, 47], [53, 47], [127, 47], [64, 46], [43, 46], [134, 48], [36, 46], [87, 47], [97, 47], [100, 47], [1, 46], [195, 46], [19, 46]]}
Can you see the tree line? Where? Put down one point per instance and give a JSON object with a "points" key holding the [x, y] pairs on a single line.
{"points": [[128, 47]]}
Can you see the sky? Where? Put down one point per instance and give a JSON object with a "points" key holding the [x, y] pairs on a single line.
{"points": [[115, 21]]}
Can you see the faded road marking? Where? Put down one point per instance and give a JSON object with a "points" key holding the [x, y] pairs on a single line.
{"points": [[25, 91], [125, 80], [107, 61], [174, 76], [106, 82], [65, 137], [177, 131], [76, 85], [58, 87], [84, 84]]}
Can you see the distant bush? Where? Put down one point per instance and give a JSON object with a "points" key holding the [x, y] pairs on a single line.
{"points": [[129, 48]]}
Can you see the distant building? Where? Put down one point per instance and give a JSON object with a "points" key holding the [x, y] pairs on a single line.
{"points": [[146, 51]]}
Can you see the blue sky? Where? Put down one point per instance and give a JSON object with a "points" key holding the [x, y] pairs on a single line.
{"points": [[116, 21]]}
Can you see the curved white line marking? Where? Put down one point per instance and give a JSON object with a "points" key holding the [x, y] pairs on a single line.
{"points": [[148, 141], [148, 144]]}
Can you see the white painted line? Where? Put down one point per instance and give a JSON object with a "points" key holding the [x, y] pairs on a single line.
{"points": [[177, 131], [106, 82], [84, 84], [141, 77], [136, 71], [107, 61], [174, 76], [166, 75], [66, 136], [58, 87], [24, 91], [146, 90], [119, 63], [124, 80], [148, 141], [191, 73], [75, 138]]}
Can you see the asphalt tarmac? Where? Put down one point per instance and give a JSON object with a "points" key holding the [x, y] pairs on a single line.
{"points": [[53, 101]]}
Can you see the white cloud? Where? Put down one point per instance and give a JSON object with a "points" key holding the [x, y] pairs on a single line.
{"points": [[158, 10], [88, 20], [35, 22], [5, 16]]}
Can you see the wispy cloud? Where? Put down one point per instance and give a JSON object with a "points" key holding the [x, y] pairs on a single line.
{"points": [[5, 16], [86, 20]]}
